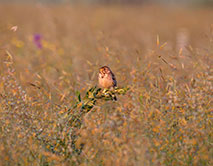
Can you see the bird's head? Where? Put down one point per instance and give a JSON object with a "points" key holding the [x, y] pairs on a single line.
{"points": [[103, 71]]}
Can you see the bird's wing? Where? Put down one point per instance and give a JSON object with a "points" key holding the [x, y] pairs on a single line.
{"points": [[114, 80]]}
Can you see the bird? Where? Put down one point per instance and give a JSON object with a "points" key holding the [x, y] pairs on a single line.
{"points": [[106, 79]]}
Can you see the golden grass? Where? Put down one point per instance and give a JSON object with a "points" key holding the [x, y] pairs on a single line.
{"points": [[52, 114]]}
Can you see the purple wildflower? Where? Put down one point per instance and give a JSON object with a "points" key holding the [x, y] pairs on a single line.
{"points": [[37, 40]]}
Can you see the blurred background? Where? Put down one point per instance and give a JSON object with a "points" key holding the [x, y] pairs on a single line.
{"points": [[50, 52], [101, 32], [165, 2]]}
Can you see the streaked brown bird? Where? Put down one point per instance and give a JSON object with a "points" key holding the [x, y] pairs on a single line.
{"points": [[107, 79]]}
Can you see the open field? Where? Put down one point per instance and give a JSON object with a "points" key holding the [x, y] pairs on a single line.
{"points": [[162, 57]]}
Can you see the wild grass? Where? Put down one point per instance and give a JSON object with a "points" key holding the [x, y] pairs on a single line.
{"points": [[53, 113]]}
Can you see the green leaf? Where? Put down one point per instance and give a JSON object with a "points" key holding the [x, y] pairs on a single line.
{"points": [[79, 96]]}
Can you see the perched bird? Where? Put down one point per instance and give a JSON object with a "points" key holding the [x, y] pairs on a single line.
{"points": [[107, 79]]}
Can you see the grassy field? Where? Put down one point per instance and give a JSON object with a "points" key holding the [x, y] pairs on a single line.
{"points": [[52, 113]]}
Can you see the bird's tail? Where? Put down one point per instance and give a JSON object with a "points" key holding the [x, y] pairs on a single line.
{"points": [[114, 98]]}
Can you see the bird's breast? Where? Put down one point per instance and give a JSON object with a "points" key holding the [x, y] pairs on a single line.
{"points": [[105, 82]]}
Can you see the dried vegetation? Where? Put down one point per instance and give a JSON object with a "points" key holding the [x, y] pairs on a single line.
{"points": [[51, 112]]}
